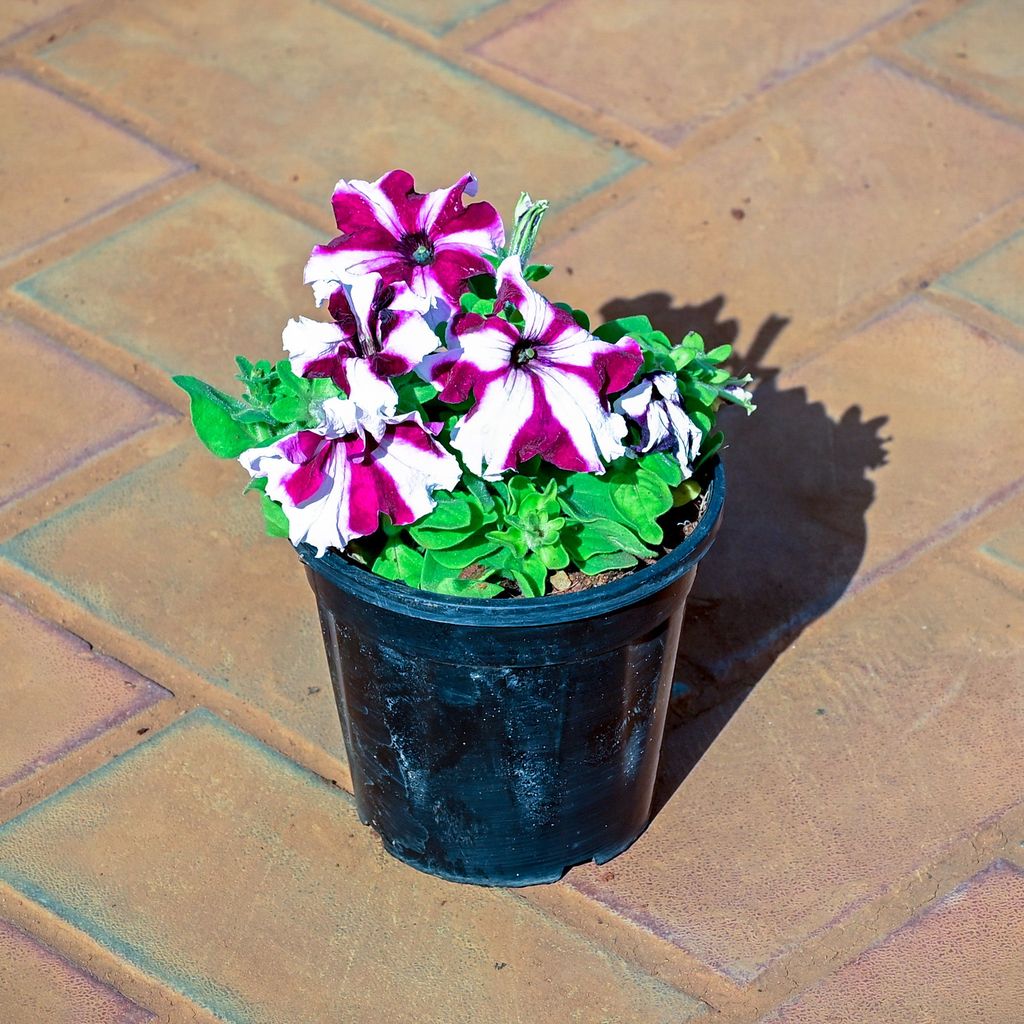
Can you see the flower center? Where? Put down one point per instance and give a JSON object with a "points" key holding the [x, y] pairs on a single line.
{"points": [[418, 248], [523, 352]]}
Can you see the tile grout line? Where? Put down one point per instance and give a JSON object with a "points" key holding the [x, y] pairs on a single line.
{"points": [[84, 952]]}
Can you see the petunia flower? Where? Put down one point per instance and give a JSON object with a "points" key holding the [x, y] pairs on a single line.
{"points": [[541, 388], [432, 242], [656, 407], [378, 332], [335, 482]]}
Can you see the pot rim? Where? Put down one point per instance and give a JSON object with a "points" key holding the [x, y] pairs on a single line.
{"points": [[526, 611]]}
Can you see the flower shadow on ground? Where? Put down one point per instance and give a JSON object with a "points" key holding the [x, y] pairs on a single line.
{"points": [[792, 538]]}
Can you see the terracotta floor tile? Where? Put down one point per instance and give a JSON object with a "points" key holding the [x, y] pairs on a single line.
{"points": [[57, 693], [436, 15], [247, 884], [697, 61], [851, 460], [18, 15], [175, 555], [880, 737], [980, 44], [58, 410], [992, 280], [233, 261], [241, 72], [815, 206], [62, 164], [910, 367], [958, 961], [39, 987]]}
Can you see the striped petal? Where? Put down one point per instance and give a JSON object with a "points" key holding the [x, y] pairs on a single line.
{"points": [[657, 409], [334, 487], [431, 242]]}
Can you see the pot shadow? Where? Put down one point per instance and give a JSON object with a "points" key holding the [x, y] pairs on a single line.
{"points": [[792, 536]]}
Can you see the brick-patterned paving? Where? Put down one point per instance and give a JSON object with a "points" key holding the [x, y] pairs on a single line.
{"points": [[838, 189]]}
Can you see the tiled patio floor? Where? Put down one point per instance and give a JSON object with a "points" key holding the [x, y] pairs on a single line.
{"points": [[837, 189]]}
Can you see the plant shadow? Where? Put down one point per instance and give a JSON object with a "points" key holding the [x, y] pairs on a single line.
{"points": [[792, 536]]}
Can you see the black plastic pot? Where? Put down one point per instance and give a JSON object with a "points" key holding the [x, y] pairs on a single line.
{"points": [[502, 742]]}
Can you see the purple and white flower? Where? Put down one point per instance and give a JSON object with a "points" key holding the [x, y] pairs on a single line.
{"points": [[335, 482], [431, 242], [655, 405], [378, 333], [540, 389]]}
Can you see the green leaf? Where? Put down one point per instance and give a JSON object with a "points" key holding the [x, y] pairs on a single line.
{"points": [[257, 483], [465, 553], [213, 416], [632, 326], [290, 380], [701, 418], [554, 556], [719, 354], [666, 466], [511, 538], [458, 587], [583, 541], [710, 446], [255, 416], [641, 496], [399, 562], [441, 579], [603, 563], [623, 537], [479, 489], [581, 318], [704, 393], [274, 520], [531, 574], [324, 387], [685, 493], [480, 305], [587, 497], [289, 408], [537, 271], [244, 367], [681, 356]]}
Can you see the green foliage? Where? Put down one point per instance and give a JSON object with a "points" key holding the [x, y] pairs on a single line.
{"points": [[704, 384], [488, 537], [276, 402]]}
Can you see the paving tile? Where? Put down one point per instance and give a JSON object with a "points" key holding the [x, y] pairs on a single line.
{"points": [[233, 261], [851, 460], [879, 738], [39, 987], [958, 961], [992, 280], [58, 694], [239, 73], [995, 545], [980, 44], [439, 16], [247, 884], [910, 367], [62, 164], [175, 555], [66, 410], [817, 205], [18, 15], [684, 74]]}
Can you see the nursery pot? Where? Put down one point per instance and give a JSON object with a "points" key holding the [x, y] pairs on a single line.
{"points": [[503, 741]]}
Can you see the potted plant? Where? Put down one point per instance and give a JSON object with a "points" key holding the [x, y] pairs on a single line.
{"points": [[500, 511]]}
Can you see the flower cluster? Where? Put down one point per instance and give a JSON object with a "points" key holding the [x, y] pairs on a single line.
{"points": [[450, 427]]}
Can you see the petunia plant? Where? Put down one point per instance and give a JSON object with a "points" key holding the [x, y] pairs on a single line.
{"points": [[451, 428]]}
